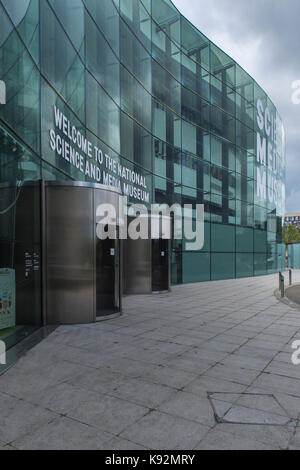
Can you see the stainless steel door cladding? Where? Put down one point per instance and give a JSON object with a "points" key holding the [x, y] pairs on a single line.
{"points": [[73, 277], [137, 267], [146, 265]]}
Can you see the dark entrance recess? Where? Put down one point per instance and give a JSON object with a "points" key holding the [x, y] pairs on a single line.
{"points": [[160, 265], [107, 277]]}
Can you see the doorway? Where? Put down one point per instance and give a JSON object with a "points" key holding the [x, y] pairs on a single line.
{"points": [[107, 277], [160, 265]]}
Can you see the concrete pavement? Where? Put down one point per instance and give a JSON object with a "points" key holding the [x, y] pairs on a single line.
{"points": [[207, 366]]}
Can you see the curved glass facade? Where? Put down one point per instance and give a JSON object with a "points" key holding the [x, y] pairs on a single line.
{"points": [[107, 91]]}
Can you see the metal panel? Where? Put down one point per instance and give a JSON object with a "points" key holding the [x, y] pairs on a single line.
{"points": [[107, 263], [146, 263], [70, 254], [137, 278], [71, 268]]}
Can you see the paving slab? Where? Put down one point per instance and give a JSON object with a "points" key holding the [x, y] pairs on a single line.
{"points": [[275, 437], [142, 380], [117, 443], [220, 440], [294, 443], [110, 414], [205, 384], [278, 383], [161, 431], [142, 393], [17, 418], [64, 434], [189, 406]]}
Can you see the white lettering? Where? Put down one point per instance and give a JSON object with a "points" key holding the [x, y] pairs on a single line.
{"points": [[260, 114], [261, 184], [261, 150]]}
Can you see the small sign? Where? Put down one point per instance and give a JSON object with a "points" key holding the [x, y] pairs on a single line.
{"points": [[112, 252], [2, 92], [28, 264], [7, 298], [2, 353], [163, 254]]}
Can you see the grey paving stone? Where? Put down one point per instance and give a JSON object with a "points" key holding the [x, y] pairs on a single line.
{"points": [[17, 418], [142, 393], [99, 380], [189, 340], [164, 432], [284, 357], [217, 345], [265, 346], [286, 370], [289, 402], [233, 374], [60, 398], [165, 351], [203, 354], [83, 357], [220, 440], [7, 447], [257, 353], [206, 384], [294, 443], [277, 437], [190, 364], [64, 434], [248, 362], [22, 382], [277, 383], [169, 347], [189, 406], [118, 443], [128, 368], [230, 339], [108, 413], [150, 356], [166, 375]]}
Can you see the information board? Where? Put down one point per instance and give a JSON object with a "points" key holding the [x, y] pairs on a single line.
{"points": [[7, 298]]}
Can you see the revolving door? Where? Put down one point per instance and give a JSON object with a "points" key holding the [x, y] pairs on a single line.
{"points": [[81, 272]]}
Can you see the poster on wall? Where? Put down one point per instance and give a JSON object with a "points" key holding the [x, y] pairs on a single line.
{"points": [[7, 298]]}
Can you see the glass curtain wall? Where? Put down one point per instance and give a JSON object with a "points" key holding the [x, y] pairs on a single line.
{"points": [[20, 172], [130, 94]]}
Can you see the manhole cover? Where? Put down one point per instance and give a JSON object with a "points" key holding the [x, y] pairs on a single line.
{"points": [[248, 408]]}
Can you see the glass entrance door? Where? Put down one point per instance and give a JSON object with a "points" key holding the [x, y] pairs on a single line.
{"points": [[107, 277]]}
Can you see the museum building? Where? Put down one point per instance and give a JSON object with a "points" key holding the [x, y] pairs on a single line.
{"points": [[110, 98]]}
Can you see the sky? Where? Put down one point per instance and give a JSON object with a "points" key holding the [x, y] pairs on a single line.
{"points": [[263, 36]]}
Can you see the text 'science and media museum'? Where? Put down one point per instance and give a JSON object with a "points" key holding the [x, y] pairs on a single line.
{"points": [[102, 98]]}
